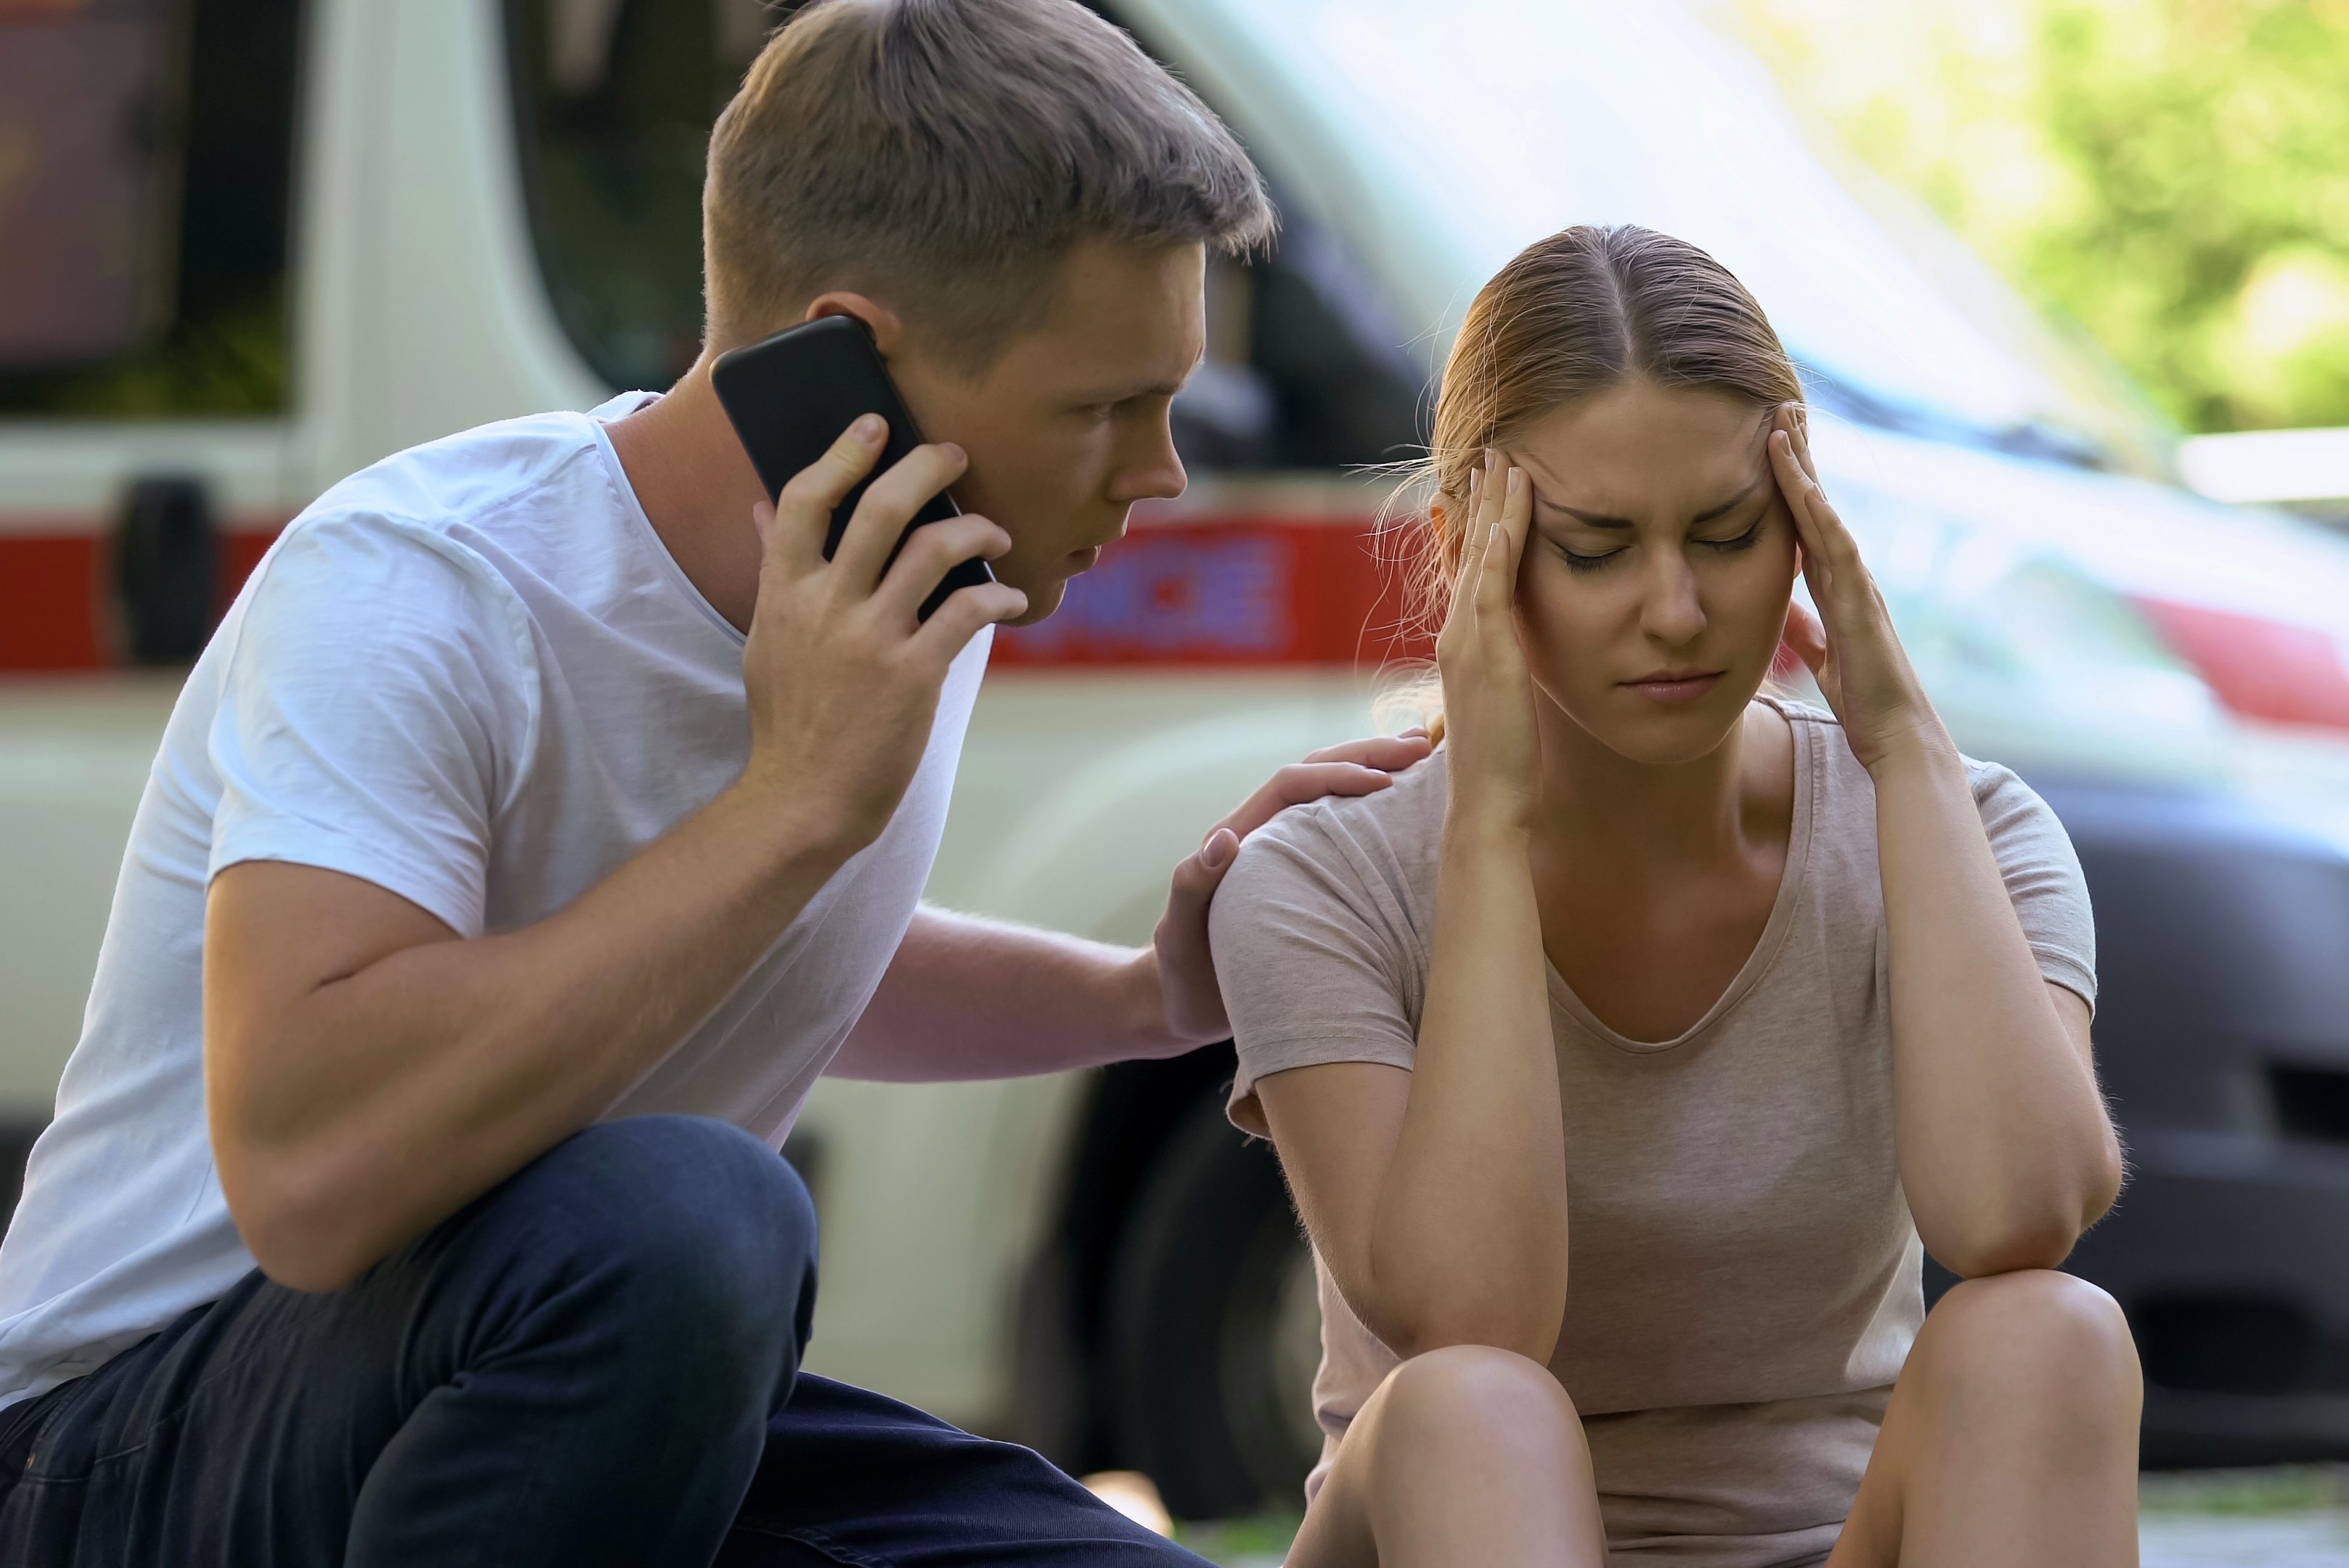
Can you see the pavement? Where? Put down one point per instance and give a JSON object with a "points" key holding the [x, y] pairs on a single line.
{"points": [[2290, 1517], [2295, 1517], [2311, 1540]]}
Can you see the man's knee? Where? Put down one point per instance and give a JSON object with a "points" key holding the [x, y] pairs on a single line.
{"points": [[691, 1211]]}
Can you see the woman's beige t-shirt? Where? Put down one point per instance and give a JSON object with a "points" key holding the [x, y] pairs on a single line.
{"points": [[1744, 1272]]}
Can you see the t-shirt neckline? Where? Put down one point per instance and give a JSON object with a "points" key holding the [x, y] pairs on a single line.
{"points": [[1774, 930], [647, 536]]}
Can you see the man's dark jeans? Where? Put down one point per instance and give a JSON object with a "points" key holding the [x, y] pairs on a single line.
{"points": [[595, 1363]]}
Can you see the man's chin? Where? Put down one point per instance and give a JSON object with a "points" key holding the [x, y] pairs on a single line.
{"points": [[1042, 600]]}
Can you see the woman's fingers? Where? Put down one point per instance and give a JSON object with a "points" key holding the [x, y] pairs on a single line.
{"points": [[1496, 584], [1831, 561], [1797, 486], [1517, 517], [1472, 539], [1508, 506], [1842, 550], [1486, 502], [1492, 573], [1798, 431]]}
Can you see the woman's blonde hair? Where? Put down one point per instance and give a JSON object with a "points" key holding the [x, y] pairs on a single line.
{"points": [[1583, 311]]}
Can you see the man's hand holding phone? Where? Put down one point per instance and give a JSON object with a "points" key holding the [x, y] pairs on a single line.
{"points": [[842, 674]]}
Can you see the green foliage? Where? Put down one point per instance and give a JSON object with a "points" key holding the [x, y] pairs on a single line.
{"points": [[2206, 240], [2290, 1489], [1257, 1542], [2171, 174]]}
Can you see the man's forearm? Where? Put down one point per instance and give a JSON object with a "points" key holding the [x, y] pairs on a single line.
{"points": [[422, 1079], [972, 998]]}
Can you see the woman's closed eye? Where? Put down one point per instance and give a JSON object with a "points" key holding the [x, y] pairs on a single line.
{"points": [[1737, 541], [1580, 561]]}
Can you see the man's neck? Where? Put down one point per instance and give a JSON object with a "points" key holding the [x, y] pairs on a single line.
{"points": [[697, 488]]}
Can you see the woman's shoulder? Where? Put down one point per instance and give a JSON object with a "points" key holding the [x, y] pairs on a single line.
{"points": [[1401, 822], [1382, 845], [2013, 813]]}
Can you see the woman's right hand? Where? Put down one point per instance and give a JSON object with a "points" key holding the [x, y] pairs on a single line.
{"points": [[1488, 710]]}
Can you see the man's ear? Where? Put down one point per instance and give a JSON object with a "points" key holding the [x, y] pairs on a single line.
{"points": [[887, 329]]}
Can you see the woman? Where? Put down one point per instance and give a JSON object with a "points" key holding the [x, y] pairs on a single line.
{"points": [[1725, 1001]]}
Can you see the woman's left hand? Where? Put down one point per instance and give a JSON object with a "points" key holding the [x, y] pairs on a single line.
{"points": [[1850, 645]]}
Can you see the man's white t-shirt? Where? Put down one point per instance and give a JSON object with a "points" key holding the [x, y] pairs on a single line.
{"points": [[471, 674]]}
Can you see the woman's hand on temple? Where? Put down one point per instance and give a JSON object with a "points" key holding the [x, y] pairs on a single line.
{"points": [[1850, 646], [1488, 714]]}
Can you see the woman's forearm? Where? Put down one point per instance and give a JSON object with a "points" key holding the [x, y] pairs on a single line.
{"points": [[1468, 1240], [2005, 1151]]}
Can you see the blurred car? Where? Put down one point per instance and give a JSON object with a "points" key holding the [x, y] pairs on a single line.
{"points": [[394, 222]]}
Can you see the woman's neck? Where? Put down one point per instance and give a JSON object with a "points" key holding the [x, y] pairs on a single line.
{"points": [[1603, 812]]}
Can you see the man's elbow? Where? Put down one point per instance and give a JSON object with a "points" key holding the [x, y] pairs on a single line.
{"points": [[297, 1230]]}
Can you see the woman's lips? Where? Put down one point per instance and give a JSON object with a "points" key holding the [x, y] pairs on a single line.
{"points": [[1673, 688]]}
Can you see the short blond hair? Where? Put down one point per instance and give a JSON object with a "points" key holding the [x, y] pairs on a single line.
{"points": [[944, 156]]}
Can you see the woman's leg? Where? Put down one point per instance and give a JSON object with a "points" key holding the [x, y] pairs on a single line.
{"points": [[1463, 1455], [2011, 1438]]}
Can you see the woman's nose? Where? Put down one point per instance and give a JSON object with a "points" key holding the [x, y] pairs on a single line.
{"points": [[1671, 612]]}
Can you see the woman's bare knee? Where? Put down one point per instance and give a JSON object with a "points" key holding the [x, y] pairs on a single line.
{"points": [[1464, 1399], [1476, 1384], [2033, 1339], [1465, 1454]]}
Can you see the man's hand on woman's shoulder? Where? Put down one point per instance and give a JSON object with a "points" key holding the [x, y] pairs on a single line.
{"points": [[1185, 970]]}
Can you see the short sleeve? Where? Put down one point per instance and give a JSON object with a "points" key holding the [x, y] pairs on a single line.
{"points": [[1311, 965], [375, 708], [2042, 872]]}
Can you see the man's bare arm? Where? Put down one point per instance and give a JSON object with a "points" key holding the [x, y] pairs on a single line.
{"points": [[972, 998], [368, 1073]]}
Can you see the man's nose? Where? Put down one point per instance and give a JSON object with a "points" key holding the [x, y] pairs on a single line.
{"points": [[1152, 474]]}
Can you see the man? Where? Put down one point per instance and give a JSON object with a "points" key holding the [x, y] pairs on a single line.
{"points": [[531, 794]]}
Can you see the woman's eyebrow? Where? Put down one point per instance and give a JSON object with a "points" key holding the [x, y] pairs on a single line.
{"points": [[1601, 519], [1732, 504]]}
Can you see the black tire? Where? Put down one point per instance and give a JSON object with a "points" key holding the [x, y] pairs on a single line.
{"points": [[1208, 1353]]}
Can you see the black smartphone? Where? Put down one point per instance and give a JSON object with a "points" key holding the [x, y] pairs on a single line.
{"points": [[792, 396]]}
